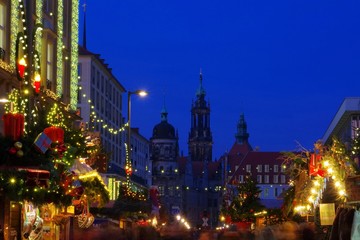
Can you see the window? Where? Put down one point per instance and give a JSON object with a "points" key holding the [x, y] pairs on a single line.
{"points": [[283, 179], [267, 168], [266, 178], [259, 168], [50, 66], [276, 168], [276, 192], [48, 7], [283, 168], [80, 71], [241, 178], [79, 95], [171, 190], [2, 31], [248, 168], [161, 190], [355, 124], [275, 178], [259, 178]]}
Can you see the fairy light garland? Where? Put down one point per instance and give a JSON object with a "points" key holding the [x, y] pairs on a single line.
{"points": [[74, 54], [56, 117], [96, 119], [59, 50], [14, 29]]}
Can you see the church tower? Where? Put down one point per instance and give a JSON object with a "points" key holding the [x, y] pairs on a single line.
{"points": [[200, 137], [242, 135]]}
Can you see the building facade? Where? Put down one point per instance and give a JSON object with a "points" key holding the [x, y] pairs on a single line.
{"points": [[141, 157], [345, 123], [266, 168], [38, 57]]}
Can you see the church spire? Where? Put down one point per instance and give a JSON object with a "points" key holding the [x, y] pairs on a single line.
{"points": [[201, 90], [164, 113], [84, 32]]}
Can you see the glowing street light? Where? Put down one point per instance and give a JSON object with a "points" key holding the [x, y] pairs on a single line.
{"points": [[128, 167]]}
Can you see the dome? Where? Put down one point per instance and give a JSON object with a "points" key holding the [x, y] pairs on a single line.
{"points": [[164, 130]]}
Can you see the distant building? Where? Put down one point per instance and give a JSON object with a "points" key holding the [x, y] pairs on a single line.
{"points": [[345, 122], [100, 103], [164, 153], [265, 167], [191, 187], [140, 157]]}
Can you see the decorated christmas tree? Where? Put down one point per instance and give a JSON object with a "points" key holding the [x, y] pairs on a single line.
{"points": [[245, 201]]}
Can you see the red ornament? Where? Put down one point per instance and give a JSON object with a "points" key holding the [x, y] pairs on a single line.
{"points": [[13, 125], [56, 134], [12, 150]]}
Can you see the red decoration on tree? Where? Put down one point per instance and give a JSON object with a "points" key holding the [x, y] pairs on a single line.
{"points": [[56, 134], [315, 168], [13, 125]]}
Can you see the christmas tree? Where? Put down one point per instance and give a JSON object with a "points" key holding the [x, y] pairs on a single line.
{"points": [[245, 201]]}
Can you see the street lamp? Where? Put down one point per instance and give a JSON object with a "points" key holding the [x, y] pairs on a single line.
{"points": [[128, 167]]}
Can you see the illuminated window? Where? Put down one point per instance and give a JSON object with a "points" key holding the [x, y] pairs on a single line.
{"points": [[2, 31], [248, 167], [276, 168], [267, 168], [259, 168], [49, 66]]}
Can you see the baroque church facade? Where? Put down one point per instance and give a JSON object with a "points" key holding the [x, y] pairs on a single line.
{"points": [[188, 185]]}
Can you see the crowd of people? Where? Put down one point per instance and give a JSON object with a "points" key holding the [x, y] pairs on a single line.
{"points": [[285, 231]]}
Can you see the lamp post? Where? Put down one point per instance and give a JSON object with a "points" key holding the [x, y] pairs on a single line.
{"points": [[128, 167]]}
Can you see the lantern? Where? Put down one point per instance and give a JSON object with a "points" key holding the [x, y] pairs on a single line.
{"points": [[37, 82], [21, 67]]}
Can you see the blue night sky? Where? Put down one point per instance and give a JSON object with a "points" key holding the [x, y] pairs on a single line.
{"points": [[287, 65]]}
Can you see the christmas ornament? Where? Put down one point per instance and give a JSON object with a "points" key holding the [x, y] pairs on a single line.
{"points": [[18, 145], [20, 153], [12, 150]]}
